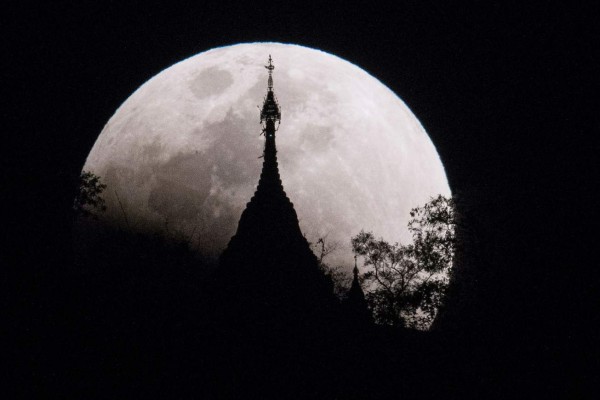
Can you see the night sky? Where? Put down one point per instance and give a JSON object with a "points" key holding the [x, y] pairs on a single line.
{"points": [[507, 92]]}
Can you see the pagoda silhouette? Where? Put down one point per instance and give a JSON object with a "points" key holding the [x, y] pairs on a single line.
{"points": [[355, 308], [268, 274]]}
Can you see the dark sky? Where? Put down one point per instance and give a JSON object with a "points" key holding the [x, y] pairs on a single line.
{"points": [[506, 90]]}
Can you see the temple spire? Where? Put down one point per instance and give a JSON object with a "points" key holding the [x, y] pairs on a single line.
{"points": [[355, 303], [268, 269], [355, 287], [269, 224]]}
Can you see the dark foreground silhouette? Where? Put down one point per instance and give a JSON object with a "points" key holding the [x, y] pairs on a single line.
{"points": [[139, 317], [151, 320]]}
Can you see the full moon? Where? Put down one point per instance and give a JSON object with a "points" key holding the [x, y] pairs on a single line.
{"points": [[181, 154]]}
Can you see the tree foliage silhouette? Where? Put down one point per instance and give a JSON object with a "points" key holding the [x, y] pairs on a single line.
{"points": [[406, 283], [88, 201]]}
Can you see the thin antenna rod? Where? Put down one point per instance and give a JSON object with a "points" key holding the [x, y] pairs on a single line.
{"points": [[270, 67], [122, 210]]}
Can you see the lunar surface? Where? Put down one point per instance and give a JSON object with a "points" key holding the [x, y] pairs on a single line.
{"points": [[182, 152]]}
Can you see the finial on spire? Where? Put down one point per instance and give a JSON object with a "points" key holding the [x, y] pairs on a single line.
{"points": [[270, 110], [270, 67], [355, 270]]}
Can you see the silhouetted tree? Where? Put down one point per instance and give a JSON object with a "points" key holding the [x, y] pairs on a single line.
{"points": [[406, 283], [88, 200]]}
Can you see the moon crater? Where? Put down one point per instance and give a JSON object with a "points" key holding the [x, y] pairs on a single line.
{"points": [[211, 82]]}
